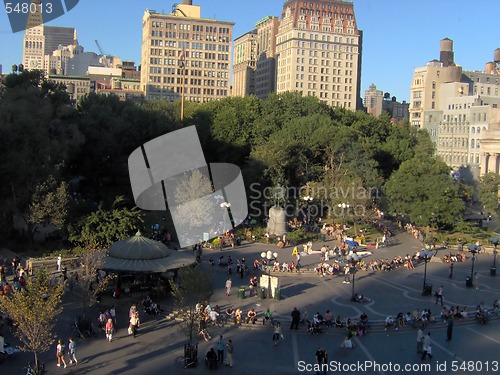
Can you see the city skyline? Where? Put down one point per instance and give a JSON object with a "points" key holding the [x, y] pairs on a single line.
{"points": [[397, 36]]}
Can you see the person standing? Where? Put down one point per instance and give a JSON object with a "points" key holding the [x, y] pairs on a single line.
{"points": [[439, 295], [277, 333], [322, 361], [60, 353], [347, 274], [427, 349], [134, 323], [229, 350], [295, 319], [72, 352], [451, 270], [449, 329], [112, 312], [420, 340], [229, 283], [221, 345], [59, 262]]}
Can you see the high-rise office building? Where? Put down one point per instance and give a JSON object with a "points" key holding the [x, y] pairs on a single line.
{"points": [[265, 68], [185, 53], [245, 60], [319, 48], [40, 40], [373, 100]]}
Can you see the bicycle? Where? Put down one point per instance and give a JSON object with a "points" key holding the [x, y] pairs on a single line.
{"points": [[35, 369], [190, 357]]}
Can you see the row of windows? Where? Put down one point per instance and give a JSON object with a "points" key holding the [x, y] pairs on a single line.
{"points": [[206, 56], [178, 81], [188, 27], [182, 35], [460, 158]]}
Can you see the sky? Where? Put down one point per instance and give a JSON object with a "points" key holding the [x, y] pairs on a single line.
{"points": [[398, 35]]}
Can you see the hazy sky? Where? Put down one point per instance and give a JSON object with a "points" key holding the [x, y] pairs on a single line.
{"points": [[399, 35]]}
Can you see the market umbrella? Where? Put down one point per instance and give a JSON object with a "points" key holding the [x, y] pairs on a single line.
{"points": [[473, 247]]}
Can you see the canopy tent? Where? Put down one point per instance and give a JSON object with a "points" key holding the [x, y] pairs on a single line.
{"points": [[139, 254]]}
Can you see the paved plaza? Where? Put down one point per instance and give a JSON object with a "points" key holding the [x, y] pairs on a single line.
{"points": [[474, 348]]}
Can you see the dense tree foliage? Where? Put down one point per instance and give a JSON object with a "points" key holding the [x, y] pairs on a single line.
{"points": [[489, 187], [286, 140]]}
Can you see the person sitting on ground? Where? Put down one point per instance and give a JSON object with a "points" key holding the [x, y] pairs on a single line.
{"points": [[338, 322], [251, 316], [389, 322], [230, 313], [400, 322], [267, 317], [318, 319], [238, 315]]}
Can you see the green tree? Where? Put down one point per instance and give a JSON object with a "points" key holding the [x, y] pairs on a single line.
{"points": [[49, 205], [103, 227], [423, 190], [488, 191], [195, 208], [34, 312], [193, 287]]}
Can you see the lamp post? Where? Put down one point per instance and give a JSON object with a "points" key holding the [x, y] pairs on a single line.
{"points": [[426, 254], [269, 256], [473, 251], [225, 206], [495, 241], [308, 199], [353, 259], [344, 207]]}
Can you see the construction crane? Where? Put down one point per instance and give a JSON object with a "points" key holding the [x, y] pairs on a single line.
{"points": [[104, 56]]}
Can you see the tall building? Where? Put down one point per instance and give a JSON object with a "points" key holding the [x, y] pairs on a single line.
{"points": [[457, 106], [182, 52], [245, 60], [40, 40], [265, 69], [318, 48], [373, 100]]}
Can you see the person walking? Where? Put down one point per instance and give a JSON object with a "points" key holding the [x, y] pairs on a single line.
{"points": [[72, 351], [295, 319], [449, 329], [322, 361], [427, 348], [110, 328], [134, 323], [229, 350], [60, 353], [439, 295], [221, 346], [229, 283], [451, 270], [420, 340], [277, 333], [347, 274]]}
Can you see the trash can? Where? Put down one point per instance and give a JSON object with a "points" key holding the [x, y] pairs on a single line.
{"points": [[262, 293], [277, 293], [468, 282], [427, 290], [493, 271], [241, 293]]}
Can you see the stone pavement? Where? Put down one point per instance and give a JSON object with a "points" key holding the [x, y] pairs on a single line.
{"points": [[160, 340]]}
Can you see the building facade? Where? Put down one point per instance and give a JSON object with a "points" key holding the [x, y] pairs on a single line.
{"points": [[184, 53], [76, 87], [457, 107], [245, 60], [265, 69], [373, 100], [318, 48]]}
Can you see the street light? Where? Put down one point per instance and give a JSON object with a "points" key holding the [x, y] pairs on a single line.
{"points": [[269, 256], [308, 200], [473, 249], [225, 206], [353, 259], [495, 241], [426, 254], [344, 207]]}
